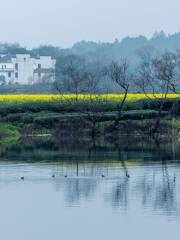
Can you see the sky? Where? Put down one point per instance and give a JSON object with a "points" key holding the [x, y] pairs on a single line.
{"points": [[64, 22]]}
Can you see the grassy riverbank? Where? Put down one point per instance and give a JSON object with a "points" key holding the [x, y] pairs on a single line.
{"points": [[42, 114]]}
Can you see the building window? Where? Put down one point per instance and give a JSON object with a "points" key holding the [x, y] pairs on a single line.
{"points": [[16, 66], [39, 75], [9, 74], [39, 65], [16, 75]]}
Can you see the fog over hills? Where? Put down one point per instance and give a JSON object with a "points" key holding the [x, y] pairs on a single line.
{"points": [[129, 47], [98, 55]]}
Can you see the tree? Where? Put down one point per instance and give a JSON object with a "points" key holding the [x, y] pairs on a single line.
{"points": [[158, 75], [46, 50], [74, 76], [121, 74]]}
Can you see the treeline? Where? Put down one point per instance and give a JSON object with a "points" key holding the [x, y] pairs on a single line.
{"points": [[76, 75], [95, 57], [129, 47], [152, 75]]}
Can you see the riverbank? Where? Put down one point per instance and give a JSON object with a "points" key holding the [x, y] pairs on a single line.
{"points": [[11, 133], [22, 115]]}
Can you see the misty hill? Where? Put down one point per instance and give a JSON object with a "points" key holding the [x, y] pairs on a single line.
{"points": [[129, 47]]}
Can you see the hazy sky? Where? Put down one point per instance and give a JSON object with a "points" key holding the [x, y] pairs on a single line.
{"points": [[64, 22]]}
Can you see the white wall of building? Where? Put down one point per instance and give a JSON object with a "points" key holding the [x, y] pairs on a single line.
{"points": [[25, 70], [7, 70], [45, 62]]}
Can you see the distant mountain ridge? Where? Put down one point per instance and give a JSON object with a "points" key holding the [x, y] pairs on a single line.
{"points": [[129, 47]]}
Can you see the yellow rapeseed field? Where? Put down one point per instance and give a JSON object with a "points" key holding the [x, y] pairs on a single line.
{"points": [[24, 98]]}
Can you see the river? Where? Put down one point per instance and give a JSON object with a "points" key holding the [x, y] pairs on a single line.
{"points": [[90, 191]]}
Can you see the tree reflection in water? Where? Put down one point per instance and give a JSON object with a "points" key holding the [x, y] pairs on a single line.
{"points": [[77, 189], [134, 172], [154, 186]]}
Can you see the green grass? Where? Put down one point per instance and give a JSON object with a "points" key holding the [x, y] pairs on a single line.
{"points": [[9, 130], [47, 115]]}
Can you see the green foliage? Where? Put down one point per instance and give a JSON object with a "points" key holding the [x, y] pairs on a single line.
{"points": [[49, 114], [155, 104], [9, 130]]}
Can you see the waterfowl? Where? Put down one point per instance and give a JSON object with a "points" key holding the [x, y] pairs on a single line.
{"points": [[22, 178]]}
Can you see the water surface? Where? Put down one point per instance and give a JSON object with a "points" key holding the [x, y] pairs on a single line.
{"points": [[90, 191]]}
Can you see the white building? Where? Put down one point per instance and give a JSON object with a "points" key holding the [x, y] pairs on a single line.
{"points": [[7, 72], [26, 70], [44, 69]]}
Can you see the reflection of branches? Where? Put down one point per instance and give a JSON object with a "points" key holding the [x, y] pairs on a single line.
{"points": [[158, 190], [120, 193], [121, 159], [76, 189], [145, 188], [154, 187], [92, 148], [123, 163], [165, 193]]}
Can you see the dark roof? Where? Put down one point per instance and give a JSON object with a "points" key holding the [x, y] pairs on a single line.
{"points": [[44, 70], [5, 59]]}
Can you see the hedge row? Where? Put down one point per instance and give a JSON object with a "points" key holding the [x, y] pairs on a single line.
{"points": [[50, 120]]}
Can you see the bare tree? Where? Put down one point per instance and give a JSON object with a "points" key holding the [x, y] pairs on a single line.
{"points": [[121, 75], [78, 77], [158, 75], [75, 77]]}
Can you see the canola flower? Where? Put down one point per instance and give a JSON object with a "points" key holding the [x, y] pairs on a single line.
{"points": [[28, 98]]}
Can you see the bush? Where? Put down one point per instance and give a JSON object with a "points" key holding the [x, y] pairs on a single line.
{"points": [[155, 103], [137, 115]]}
